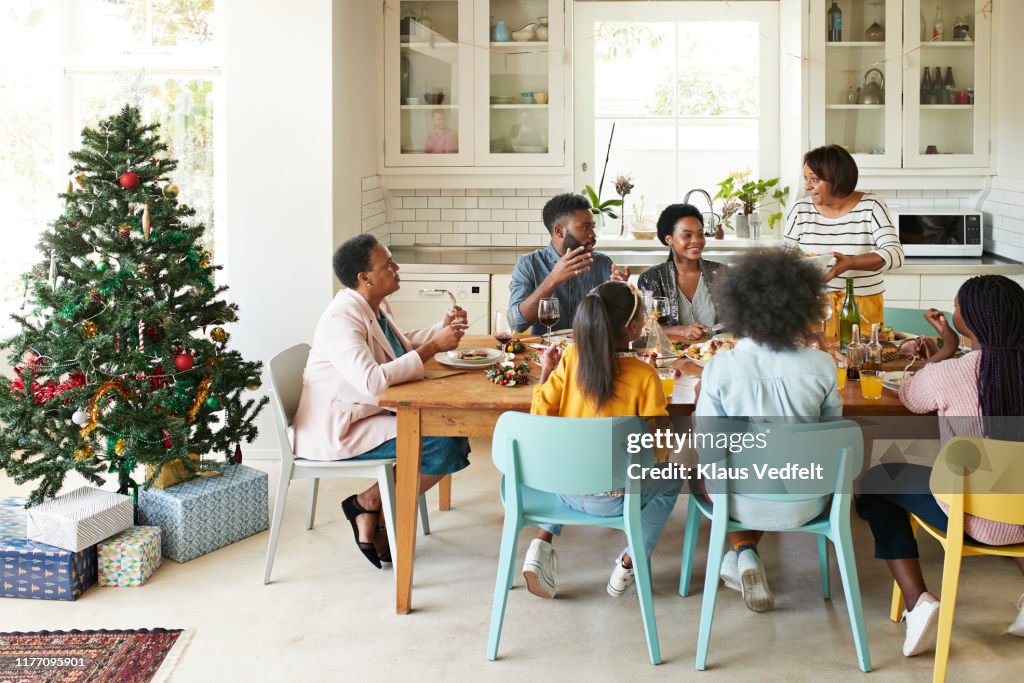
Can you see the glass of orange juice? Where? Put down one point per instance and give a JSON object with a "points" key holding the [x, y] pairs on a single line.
{"points": [[841, 374], [668, 380], [871, 384]]}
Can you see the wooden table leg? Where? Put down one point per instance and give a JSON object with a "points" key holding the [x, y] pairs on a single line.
{"points": [[444, 493], [407, 474]]}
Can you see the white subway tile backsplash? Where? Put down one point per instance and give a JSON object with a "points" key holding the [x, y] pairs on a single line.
{"points": [[453, 214], [493, 227], [934, 193], [414, 202], [515, 227], [478, 240], [428, 214], [466, 226], [428, 193], [402, 192], [478, 214], [439, 202], [515, 202], [464, 203], [478, 192], [504, 214], [424, 238], [374, 195], [404, 215], [414, 226], [491, 202], [527, 241], [440, 226], [456, 192], [529, 215], [503, 240], [505, 192], [370, 182], [1004, 213], [452, 240], [947, 204], [373, 209], [528, 191], [374, 222], [399, 239], [538, 202]]}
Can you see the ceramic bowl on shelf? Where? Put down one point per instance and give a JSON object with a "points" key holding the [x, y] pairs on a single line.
{"points": [[433, 97], [501, 99], [540, 97], [526, 97], [524, 34]]}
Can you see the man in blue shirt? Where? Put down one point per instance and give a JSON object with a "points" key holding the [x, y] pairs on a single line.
{"points": [[566, 269]]}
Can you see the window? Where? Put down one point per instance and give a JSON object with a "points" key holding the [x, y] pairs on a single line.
{"points": [[691, 88], [67, 64]]}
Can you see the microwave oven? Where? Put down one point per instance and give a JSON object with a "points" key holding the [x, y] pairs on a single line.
{"points": [[940, 234]]}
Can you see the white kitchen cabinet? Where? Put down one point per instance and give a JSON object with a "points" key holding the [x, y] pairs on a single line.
{"points": [[461, 91], [500, 292], [902, 288], [898, 130]]}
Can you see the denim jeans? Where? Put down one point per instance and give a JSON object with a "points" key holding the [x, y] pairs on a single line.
{"points": [[657, 499]]}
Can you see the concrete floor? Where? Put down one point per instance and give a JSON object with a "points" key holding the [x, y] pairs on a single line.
{"points": [[328, 615]]}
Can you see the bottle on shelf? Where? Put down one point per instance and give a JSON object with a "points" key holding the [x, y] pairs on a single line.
{"points": [[937, 94], [939, 27], [926, 87], [949, 87], [848, 316], [961, 28], [835, 23], [873, 351], [855, 354]]}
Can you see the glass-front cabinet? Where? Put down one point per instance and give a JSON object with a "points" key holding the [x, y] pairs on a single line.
{"points": [[947, 112], [869, 88], [475, 83]]}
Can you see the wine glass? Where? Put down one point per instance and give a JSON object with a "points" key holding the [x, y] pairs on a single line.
{"points": [[501, 329], [826, 313], [547, 313]]}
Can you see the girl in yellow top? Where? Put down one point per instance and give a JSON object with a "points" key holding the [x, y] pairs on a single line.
{"points": [[599, 377]]}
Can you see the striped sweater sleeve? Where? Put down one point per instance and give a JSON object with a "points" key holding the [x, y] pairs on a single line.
{"points": [[887, 240]]}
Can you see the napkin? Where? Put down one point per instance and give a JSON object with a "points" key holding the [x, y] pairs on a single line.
{"points": [[438, 374]]}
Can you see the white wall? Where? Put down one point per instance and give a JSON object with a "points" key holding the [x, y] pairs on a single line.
{"points": [[279, 174], [358, 58]]}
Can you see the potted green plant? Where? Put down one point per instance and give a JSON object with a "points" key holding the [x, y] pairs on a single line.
{"points": [[599, 208], [754, 195]]}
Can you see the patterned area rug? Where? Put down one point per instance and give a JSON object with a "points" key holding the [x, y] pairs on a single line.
{"points": [[142, 656]]}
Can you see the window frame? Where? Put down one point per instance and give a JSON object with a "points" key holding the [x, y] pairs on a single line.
{"points": [[765, 13]]}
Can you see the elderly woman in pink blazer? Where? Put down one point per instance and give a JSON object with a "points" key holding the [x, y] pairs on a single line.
{"points": [[358, 352]]}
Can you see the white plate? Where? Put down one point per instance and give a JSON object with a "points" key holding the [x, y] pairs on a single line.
{"points": [[698, 348], [892, 380], [529, 149], [451, 358]]}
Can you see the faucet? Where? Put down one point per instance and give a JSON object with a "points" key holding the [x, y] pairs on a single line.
{"points": [[711, 225]]}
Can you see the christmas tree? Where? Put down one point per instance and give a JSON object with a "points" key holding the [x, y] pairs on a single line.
{"points": [[121, 359]]}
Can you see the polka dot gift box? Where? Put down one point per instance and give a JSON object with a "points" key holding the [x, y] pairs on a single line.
{"points": [[130, 557]]}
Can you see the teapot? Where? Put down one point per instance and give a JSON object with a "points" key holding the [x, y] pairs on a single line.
{"points": [[873, 92]]}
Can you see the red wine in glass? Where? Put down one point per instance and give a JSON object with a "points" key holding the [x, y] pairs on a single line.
{"points": [[547, 313]]}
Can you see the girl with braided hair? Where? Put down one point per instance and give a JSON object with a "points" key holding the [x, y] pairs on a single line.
{"points": [[599, 377], [980, 394]]}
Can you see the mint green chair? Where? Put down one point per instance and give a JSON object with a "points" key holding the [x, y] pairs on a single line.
{"points": [[543, 456], [838, 447], [910, 320]]}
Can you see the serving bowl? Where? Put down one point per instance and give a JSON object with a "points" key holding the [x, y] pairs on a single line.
{"points": [[525, 33], [433, 97]]}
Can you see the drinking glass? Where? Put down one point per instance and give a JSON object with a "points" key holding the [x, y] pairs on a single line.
{"points": [[841, 374], [547, 313], [501, 329], [871, 384], [668, 380]]}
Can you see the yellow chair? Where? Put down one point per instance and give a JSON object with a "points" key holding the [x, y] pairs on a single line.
{"points": [[980, 477]]}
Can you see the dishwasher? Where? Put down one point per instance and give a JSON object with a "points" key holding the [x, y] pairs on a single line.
{"points": [[423, 299]]}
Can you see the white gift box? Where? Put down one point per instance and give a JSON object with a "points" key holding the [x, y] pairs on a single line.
{"points": [[79, 519]]}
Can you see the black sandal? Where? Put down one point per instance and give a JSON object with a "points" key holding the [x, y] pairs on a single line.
{"points": [[352, 509], [386, 555]]}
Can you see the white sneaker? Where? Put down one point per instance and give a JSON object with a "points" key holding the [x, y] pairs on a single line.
{"points": [[1017, 627], [922, 627], [622, 577], [756, 594], [730, 572], [540, 569]]}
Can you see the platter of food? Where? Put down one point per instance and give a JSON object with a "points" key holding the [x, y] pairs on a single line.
{"points": [[893, 380], [469, 358], [702, 353]]}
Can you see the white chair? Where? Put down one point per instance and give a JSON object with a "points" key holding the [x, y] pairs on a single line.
{"points": [[285, 374]]}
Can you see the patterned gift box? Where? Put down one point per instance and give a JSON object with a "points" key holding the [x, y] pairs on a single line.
{"points": [[13, 518], [206, 513], [129, 558], [33, 570], [79, 519]]}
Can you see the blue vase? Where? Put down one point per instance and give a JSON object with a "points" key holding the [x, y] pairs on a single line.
{"points": [[501, 32]]}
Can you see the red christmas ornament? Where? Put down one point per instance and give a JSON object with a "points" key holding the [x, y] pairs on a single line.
{"points": [[184, 361], [129, 180], [167, 440]]}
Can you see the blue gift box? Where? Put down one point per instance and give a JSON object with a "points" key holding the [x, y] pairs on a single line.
{"points": [[34, 570], [206, 513]]}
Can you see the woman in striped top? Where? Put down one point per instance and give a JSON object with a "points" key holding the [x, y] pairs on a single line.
{"points": [[855, 226], [980, 394]]}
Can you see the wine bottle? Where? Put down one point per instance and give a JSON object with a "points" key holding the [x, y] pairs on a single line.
{"points": [[873, 351], [855, 353], [939, 28], [949, 87], [848, 316], [926, 87], [835, 23], [937, 86]]}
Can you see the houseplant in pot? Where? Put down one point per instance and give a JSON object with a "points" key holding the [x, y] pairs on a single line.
{"points": [[753, 196]]}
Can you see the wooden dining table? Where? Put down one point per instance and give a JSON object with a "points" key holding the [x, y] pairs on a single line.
{"points": [[468, 404]]}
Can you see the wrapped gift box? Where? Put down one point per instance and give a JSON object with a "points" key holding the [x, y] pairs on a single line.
{"points": [[206, 513], [13, 518], [130, 557], [79, 519], [34, 570], [172, 473]]}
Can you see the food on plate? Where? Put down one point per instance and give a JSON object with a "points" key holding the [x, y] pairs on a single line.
{"points": [[472, 354], [706, 351], [886, 334]]}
